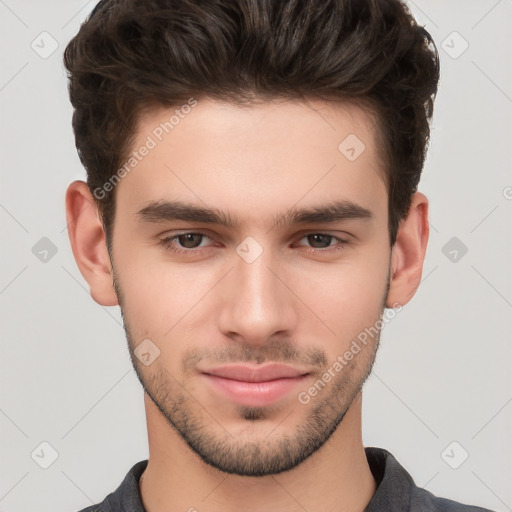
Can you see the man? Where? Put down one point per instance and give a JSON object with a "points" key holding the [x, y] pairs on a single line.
{"points": [[252, 206]]}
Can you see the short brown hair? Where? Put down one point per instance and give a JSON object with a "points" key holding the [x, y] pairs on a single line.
{"points": [[131, 54]]}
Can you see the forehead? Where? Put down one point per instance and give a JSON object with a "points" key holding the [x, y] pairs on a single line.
{"points": [[251, 159]]}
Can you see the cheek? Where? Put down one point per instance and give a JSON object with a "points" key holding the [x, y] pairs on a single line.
{"points": [[347, 296], [154, 296], [165, 301]]}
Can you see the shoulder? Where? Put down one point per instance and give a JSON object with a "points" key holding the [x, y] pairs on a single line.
{"points": [[424, 501], [126, 496], [397, 491]]}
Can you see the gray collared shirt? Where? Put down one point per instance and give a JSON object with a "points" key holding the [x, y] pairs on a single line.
{"points": [[396, 490]]}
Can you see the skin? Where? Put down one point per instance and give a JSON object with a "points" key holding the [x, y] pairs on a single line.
{"points": [[295, 303]]}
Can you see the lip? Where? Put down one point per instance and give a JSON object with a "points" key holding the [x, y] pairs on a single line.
{"points": [[251, 373], [254, 386]]}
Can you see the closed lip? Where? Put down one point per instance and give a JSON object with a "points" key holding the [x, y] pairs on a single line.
{"points": [[248, 373]]}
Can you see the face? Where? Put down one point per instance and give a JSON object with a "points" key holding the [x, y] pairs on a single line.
{"points": [[250, 250]]}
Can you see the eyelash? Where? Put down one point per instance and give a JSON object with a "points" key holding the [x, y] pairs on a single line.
{"points": [[167, 243]]}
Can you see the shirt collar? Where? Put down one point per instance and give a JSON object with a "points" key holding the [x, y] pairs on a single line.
{"points": [[393, 492]]}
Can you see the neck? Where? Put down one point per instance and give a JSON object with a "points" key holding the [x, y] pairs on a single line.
{"points": [[336, 478]]}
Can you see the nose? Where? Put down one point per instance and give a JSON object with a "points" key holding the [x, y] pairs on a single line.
{"points": [[256, 301]]}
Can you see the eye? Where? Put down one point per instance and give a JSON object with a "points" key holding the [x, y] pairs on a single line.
{"points": [[189, 242], [324, 241]]}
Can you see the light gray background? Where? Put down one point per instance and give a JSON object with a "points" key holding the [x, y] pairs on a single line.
{"points": [[443, 371]]}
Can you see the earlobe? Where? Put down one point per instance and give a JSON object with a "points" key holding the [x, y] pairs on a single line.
{"points": [[88, 243], [408, 253]]}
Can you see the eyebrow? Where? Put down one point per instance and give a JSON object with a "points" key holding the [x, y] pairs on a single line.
{"points": [[165, 211]]}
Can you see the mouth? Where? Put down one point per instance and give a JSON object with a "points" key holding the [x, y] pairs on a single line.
{"points": [[255, 386]]}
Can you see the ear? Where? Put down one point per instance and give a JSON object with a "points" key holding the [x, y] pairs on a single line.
{"points": [[408, 253], [88, 242]]}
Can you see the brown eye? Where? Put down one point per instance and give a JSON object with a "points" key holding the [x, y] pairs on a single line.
{"points": [[320, 243], [321, 239], [189, 240]]}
